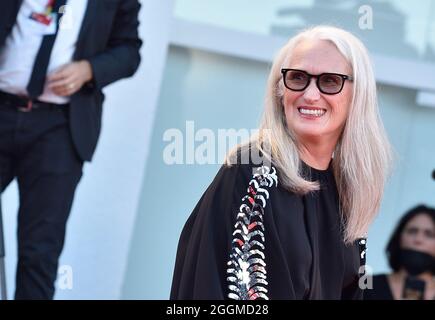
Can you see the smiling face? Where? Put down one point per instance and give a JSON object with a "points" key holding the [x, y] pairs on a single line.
{"points": [[312, 114], [419, 234]]}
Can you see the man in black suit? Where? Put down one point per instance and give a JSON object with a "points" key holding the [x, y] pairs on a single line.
{"points": [[52, 70]]}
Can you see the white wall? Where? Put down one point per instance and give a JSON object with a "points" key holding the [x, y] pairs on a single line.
{"points": [[101, 222]]}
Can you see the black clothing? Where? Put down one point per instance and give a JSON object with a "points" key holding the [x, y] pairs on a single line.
{"points": [[381, 289], [109, 40], [35, 87], [247, 228], [45, 148], [36, 147]]}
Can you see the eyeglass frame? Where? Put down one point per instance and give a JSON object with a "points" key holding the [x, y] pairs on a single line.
{"points": [[310, 76]]}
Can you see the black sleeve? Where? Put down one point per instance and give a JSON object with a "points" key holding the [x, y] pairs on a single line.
{"points": [[121, 57], [352, 292], [205, 242]]}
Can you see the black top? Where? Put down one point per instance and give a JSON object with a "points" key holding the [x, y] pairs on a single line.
{"points": [[381, 289], [249, 238], [109, 40]]}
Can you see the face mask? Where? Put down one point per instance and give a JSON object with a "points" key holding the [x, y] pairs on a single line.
{"points": [[416, 262]]}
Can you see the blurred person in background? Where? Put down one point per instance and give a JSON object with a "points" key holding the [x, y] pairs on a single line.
{"points": [[411, 255], [55, 58]]}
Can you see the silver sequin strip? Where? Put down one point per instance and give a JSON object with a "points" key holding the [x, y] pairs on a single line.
{"points": [[362, 246], [246, 273]]}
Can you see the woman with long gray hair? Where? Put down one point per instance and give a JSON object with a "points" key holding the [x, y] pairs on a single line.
{"points": [[287, 215]]}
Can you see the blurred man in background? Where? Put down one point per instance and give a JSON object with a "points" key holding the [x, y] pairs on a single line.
{"points": [[55, 58]]}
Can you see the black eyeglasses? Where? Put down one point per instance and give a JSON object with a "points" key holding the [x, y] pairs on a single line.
{"points": [[328, 83]]}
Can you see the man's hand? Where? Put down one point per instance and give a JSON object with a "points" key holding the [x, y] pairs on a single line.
{"points": [[69, 78]]}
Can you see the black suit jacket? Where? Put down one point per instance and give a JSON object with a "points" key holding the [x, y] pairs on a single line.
{"points": [[109, 40]]}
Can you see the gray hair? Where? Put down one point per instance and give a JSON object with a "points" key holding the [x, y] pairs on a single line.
{"points": [[363, 155]]}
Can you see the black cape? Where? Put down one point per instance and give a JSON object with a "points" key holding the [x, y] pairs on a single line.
{"points": [[249, 238], [381, 289]]}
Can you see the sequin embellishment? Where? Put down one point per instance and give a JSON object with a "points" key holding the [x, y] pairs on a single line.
{"points": [[247, 268], [362, 246]]}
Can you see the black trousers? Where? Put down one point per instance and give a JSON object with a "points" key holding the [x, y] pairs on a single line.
{"points": [[36, 148]]}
